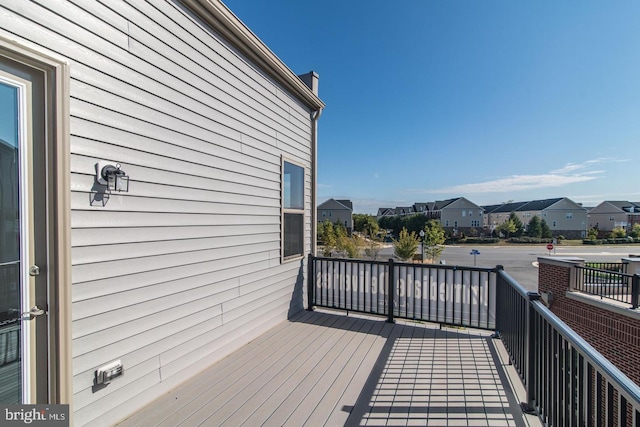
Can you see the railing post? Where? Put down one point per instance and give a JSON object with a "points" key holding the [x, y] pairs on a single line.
{"points": [[499, 300], [635, 290], [391, 280], [531, 349], [311, 279]]}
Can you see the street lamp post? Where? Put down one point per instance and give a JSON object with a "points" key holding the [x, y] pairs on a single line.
{"points": [[422, 244]]}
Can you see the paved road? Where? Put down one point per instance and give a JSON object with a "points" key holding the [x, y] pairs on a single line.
{"points": [[519, 261]]}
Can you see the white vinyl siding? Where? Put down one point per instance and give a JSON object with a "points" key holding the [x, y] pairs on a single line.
{"points": [[186, 266]]}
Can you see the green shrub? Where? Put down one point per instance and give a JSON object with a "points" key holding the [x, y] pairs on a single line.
{"points": [[529, 240]]}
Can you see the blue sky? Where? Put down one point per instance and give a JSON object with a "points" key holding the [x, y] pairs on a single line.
{"points": [[489, 100]]}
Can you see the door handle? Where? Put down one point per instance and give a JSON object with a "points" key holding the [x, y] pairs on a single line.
{"points": [[34, 270], [31, 314]]}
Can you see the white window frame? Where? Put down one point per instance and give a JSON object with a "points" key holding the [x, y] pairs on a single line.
{"points": [[295, 211]]}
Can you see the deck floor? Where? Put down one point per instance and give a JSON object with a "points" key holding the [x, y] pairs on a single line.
{"points": [[330, 369]]}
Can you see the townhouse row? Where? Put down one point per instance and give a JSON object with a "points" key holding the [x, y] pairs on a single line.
{"points": [[563, 216]]}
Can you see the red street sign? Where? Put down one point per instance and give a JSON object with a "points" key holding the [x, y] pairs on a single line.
{"points": [[549, 246]]}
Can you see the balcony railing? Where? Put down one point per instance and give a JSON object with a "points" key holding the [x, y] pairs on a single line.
{"points": [[452, 295], [567, 381], [610, 281]]}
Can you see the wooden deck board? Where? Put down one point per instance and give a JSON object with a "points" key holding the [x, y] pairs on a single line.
{"points": [[276, 389], [324, 368], [181, 399], [323, 380], [319, 362], [237, 395]]}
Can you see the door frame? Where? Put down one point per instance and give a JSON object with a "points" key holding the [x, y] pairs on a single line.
{"points": [[55, 71]]}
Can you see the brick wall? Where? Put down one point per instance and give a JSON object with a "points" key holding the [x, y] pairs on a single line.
{"points": [[615, 335]]}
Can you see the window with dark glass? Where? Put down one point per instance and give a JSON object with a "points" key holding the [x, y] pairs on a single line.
{"points": [[292, 210]]}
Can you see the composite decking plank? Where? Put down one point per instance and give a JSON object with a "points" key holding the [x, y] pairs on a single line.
{"points": [[305, 362], [333, 386], [330, 369], [319, 415], [237, 391], [316, 381], [177, 399]]}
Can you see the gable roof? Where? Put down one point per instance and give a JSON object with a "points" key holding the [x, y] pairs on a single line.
{"points": [[420, 207], [625, 206], [538, 205], [400, 210], [336, 204], [386, 211], [440, 204], [346, 203]]}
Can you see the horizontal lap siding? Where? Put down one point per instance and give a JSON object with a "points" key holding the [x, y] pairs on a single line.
{"points": [[185, 267]]}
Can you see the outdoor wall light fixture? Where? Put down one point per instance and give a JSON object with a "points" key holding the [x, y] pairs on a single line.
{"points": [[112, 176]]}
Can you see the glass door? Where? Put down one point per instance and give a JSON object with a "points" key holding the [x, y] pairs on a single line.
{"points": [[11, 333]]}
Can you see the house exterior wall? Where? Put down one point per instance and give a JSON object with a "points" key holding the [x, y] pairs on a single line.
{"points": [[566, 218], [185, 267], [563, 217], [494, 219], [342, 216], [462, 215], [605, 217], [334, 211]]}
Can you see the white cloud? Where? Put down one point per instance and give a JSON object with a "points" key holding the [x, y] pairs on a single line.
{"points": [[569, 174], [571, 167], [515, 183]]}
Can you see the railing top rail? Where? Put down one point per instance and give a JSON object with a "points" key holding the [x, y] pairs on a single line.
{"points": [[352, 260], [612, 373], [406, 264], [582, 267], [517, 286]]}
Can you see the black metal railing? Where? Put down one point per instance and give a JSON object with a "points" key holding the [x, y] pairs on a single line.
{"points": [[567, 381], [570, 383], [512, 321], [618, 267], [452, 295], [614, 283]]}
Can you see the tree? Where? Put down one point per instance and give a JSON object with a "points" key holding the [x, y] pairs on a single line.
{"points": [[350, 246], [373, 245], [517, 223], [592, 234], [392, 223], [618, 233], [635, 231], [327, 235], [534, 227], [506, 228], [363, 221], [545, 231], [371, 227], [434, 238], [414, 223], [406, 246]]}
